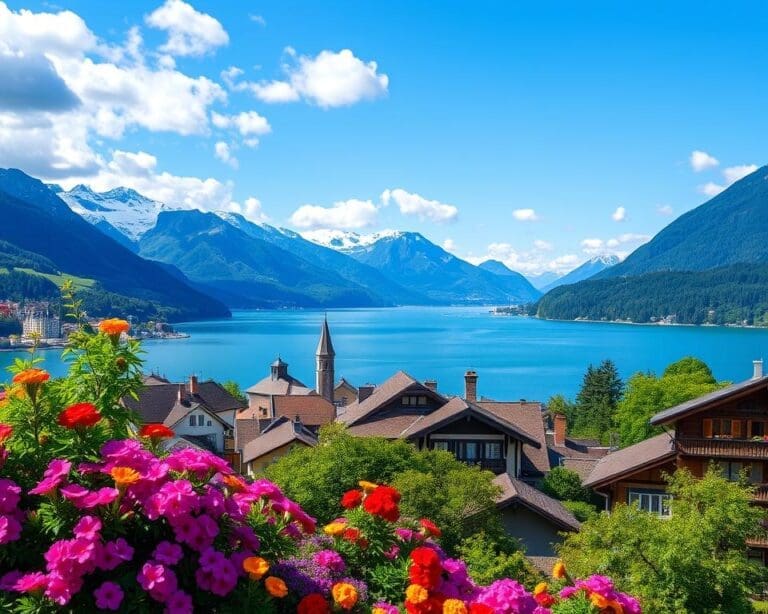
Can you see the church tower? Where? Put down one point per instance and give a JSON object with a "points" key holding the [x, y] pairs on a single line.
{"points": [[325, 376]]}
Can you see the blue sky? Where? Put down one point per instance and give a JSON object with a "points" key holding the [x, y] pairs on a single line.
{"points": [[538, 133]]}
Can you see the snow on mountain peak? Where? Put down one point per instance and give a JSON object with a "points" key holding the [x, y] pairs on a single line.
{"points": [[343, 240]]}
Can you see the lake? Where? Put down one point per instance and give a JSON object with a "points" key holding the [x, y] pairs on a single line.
{"points": [[515, 357]]}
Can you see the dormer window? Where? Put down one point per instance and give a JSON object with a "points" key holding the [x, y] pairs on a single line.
{"points": [[414, 400]]}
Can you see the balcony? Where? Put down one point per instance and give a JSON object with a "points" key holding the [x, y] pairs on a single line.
{"points": [[494, 465], [723, 448]]}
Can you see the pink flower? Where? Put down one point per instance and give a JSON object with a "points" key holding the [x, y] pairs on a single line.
{"points": [[46, 486], [9, 496], [330, 559], [88, 527], [108, 596], [159, 581], [10, 529], [168, 553], [185, 529], [60, 589], [103, 496], [179, 603], [113, 554], [31, 583]]}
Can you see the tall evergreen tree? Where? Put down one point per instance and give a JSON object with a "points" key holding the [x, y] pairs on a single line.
{"points": [[593, 412]]}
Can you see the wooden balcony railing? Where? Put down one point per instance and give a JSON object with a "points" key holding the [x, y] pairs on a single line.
{"points": [[723, 448]]}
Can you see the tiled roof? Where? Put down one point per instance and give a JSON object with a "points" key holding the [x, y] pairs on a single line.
{"points": [[283, 385], [180, 410], [279, 433], [673, 413], [391, 427], [528, 417], [248, 426], [517, 491], [578, 455], [312, 410], [626, 461]]}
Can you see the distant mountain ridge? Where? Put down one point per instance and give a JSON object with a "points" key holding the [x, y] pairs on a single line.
{"points": [[590, 268]]}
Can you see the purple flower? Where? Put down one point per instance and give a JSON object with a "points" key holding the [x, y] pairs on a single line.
{"points": [[8, 581], [179, 603], [158, 580], [113, 554], [168, 553], [330, 559], [9, 496], [10, 529], [88, 527], [108, 596]]}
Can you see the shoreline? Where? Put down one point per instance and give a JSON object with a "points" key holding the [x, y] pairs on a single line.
{"points": [[661, 324]]}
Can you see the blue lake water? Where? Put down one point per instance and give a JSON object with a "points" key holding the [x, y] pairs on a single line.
{"points": [[514, 357]]}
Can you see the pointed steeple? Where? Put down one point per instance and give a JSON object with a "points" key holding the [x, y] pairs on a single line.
{"points": [[325, 346], [324, 363]]}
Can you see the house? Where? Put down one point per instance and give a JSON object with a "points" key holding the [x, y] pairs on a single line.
{"points": [[501, 437], [727, 427], [344, 393], [200, 412], [578, 455], [276, 439]]}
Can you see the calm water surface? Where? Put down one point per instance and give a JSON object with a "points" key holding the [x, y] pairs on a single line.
{"points": [[515, 357]]}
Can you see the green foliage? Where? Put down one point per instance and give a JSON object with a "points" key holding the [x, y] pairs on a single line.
{"points": [[691, 562], [19, 286], [565, 484], [729, 295], [558, 404], [581, 509], [592, 414], [647, 395], [233, 388], [492, 557], [456, 496]]}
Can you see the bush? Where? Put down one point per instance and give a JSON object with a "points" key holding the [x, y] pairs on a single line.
{"points": [[565, 485], [583, 511]]}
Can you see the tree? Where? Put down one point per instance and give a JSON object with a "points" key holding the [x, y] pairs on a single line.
{"points": [[592, 414], [647, 395], [565, 485], [490, 558], [233, 388], [693, 561]]}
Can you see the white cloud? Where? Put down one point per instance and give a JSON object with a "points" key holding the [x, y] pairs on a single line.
{"points": [[534, 261], [330, 79], [711, 188], [592, 244], [544, 246], [250, 209], [701, 161], [249, 124], [525, 215], [620, 215], [222, 151], [344, 215], [620, 246], [258, 19], [411, 203], [733, 173], [63, 33], [449, 245], [190, 33], [665, 210]]}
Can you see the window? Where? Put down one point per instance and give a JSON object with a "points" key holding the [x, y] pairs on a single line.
{"points": [[721, 428], [470, 450], [733, 471], [422, 400], [756, 428], [653, 501], [493, 450], [440, 445], [413, 401], [192, 421]]}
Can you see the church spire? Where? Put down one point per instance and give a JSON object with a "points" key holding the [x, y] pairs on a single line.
{"points": [[325, 356]]}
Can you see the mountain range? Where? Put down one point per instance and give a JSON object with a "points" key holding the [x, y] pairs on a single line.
{"points": [[593, 266]]}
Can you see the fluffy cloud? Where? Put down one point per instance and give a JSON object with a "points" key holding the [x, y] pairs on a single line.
{"points": [[222, 151], [344, 215], [731, 175], [31, 83], [330, 79], [413, 204], [449, 245], [544, 246], [533, 261], [701, 161], [247, 123], [190, 33], [250, 209], [619, 246], [619, 215], [525, 215], [665, 210]]}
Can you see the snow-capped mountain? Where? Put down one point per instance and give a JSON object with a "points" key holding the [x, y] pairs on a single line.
{"points": [[344, 240], [591, 267], [123, 209]]}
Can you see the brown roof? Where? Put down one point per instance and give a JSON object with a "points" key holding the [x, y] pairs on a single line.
{"points": [[394, 386], [705, 401], [390, 427], [643, 455], [527, 416], [312, 410], [180, 410], [247, 428], [578, 455], [282, 385], [514, 491], [279, 433]]}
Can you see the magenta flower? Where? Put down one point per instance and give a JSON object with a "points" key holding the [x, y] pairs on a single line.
{"points": [[387, 607], [168, 553], [88, 527], [61, 588], [102, 496], [159, 581], [108, 596], [330, 559], [179, 603], [113, 554], [31, 583], [9, 496], [10, 529], [507, 597]]}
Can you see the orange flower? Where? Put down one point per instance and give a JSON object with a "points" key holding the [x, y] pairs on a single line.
{"points": [[541, 587], [454, 606], [256, 567], [597, 600], [416, 594], [234, 483], [79, 415], [276, 587], [6, 431], [31, 377], [114, 327], [156, 431], [335, 528], [367, 486], [558, 571], [124, 476], [345, 595]]}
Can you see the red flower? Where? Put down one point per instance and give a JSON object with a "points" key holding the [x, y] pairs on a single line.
{"points": [[426, 568], [351, 534], [156, 431], [79, 415], [382, 502], [430, 527], [314, 603], [545, 600], [432, 605], [6, 430], [480, 608], [351, 498]]}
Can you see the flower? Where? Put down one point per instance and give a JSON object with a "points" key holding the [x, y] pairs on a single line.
{"points": [[425, 569], [114, 327], [6, 431], [179, 603], [156, 431], [368, 487], [79, 415], [351, 499], [330, 559], [416, 593], [382, 502], [558, 571], [382, 607], [430, 527], [454, 606], [542, 596], [335, 528], [256, 567], [31, 377], [351, 534], [276, 587], [345, 595], [314, 603], [108, 596], [124, 476], [168, 553], [88, 527]]}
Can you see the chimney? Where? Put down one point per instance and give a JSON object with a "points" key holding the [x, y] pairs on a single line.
{"points": [[180, 394], [193, 384], [561, 427], [363, 392], [470, 385], [757, 369], [431, 384]]}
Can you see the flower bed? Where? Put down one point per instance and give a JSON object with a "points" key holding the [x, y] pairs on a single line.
{"points": [[97, 517]]}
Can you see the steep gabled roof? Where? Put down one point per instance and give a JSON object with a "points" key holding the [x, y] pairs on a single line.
{"points": [[311, 409], [279, 433], [389, 390], [644, 455], [284, 385], [703, 402], [157, 399], [528, 416], [514, 491], [180, 410]]}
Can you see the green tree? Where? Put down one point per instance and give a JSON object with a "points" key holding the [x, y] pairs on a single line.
{"points": [[693, 561], [490, 558], [233, 388], [592, 415], [565, 485], [646, 394], [558, 404]]}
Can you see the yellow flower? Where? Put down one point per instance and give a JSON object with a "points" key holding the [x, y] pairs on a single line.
{"points": [[335, 528], [114, 327], [345, 595], [367, 486], [541, 587], [416, 593], [378, 611], [454, 606], [598, 601], [124, 476], [256, 567], [558, 571], [276, 587]]}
